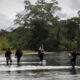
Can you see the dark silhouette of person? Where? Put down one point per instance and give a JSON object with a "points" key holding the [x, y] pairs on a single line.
{"points": [[18, 55], [72, 57], [41, 53], [8, 56]]}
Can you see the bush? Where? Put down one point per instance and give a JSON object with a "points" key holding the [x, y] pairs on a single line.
{"points": [[4, 44], [62, 48], [67, 44]]}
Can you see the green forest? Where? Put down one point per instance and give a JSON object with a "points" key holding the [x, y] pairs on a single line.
{"points": [[40, 26]]}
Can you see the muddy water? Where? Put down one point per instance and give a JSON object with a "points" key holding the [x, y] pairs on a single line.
{"points": [[56, 68]]}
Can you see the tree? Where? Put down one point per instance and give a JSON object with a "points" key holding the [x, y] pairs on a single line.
{"points": [[72, 29], [19, 37], [39, 17], [79, 13], [4, 44], [39, 34]]}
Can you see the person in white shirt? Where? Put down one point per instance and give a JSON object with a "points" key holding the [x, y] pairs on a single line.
{"points": [[41, 53]]}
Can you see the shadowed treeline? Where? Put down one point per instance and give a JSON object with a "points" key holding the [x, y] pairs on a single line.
{"points": [[40, 26]]}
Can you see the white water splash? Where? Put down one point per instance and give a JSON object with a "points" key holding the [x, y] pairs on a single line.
{"points": [[30, 67]]}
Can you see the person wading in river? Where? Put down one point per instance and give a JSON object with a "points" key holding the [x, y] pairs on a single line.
{"points": [[72, 57], [8, 56], [18, 55], [41, 53]]}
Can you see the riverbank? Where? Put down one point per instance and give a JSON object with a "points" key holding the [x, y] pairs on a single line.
{"points": [[14, 51], [2, 52], [25, 52]]}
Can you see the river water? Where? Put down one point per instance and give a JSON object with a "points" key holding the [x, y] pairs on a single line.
{"points": [[56, 67]]}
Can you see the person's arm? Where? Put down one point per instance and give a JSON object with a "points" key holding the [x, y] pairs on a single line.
{"points": [[70, 56]]}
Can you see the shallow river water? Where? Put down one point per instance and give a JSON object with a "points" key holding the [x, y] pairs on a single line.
{"points": [[56, 67]]}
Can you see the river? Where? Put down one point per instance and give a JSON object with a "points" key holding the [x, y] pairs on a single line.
{"points": [[56, 67]]}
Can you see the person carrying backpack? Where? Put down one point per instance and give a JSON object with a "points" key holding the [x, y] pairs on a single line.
{"points": [[8, 56], [72, 57], [18, 55]]}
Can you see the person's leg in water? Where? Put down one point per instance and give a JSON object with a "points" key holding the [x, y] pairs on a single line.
{"points": [[18, 60], [10, 60], [72, 64], [7, 60], [41, 58]]}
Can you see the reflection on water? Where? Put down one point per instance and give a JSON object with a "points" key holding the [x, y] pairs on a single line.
{"points": [[73, 71], [56, 68]]}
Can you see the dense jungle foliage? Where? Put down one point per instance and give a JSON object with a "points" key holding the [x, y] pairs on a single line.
{"points": [[39, 25]]}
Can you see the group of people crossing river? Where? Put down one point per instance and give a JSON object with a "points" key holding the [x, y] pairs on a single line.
{"points": [[72, 56], [18, 55]]}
